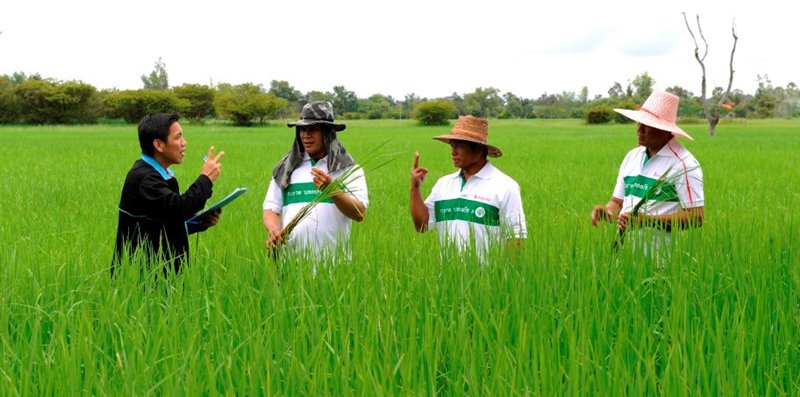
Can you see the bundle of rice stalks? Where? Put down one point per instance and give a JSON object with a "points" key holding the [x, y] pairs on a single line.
{"points": [[661, 190], [338, 186]]}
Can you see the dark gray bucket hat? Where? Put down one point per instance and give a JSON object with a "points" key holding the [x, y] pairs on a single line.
{"points": [[317, 112]]}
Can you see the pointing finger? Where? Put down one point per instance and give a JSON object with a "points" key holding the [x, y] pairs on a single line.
{"points": [[416, 159]]}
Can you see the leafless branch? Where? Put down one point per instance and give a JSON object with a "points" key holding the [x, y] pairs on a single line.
{"points": [[724, 98], [700, 61], [705, 43]]}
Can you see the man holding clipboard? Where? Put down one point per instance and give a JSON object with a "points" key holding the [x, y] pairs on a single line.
{"points": [[153, 215]]}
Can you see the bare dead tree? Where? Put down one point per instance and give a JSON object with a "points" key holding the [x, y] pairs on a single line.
{"points": [[711, 111]]}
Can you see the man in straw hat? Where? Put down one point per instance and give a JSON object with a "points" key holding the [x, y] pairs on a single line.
{"points": [[315, 159], [677, 199], [478, 200]]}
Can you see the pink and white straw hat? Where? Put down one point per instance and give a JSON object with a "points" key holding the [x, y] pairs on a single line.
{"points": [[660, 110]]}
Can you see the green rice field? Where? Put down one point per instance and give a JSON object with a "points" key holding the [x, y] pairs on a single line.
{"points": [[566, 316]]}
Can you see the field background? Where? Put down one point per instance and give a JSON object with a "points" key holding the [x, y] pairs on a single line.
{"points": [[567, 317]]}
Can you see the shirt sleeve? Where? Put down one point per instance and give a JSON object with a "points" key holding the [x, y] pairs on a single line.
{"points": [[689, 185], [357, 187], [619, 187], [513, 214], [274, 199], [430, 203], [167, 204]]}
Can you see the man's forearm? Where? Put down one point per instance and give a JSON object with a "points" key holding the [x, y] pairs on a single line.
{"points": [[272, 222], [419, 212], [349, 206], [684, 219]]}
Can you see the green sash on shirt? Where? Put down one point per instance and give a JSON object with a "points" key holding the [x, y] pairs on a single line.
{"points": [[301, 193], [467, 210], [638, 185]]}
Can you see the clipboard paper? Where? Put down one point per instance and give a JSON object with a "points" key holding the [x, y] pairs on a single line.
{"points": [[225, 201]]}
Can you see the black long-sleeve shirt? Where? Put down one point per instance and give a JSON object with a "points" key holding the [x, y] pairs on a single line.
{"points": [[153, 215]]}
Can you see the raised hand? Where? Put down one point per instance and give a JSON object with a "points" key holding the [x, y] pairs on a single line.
{"points": [[417, 173], [212, 167]]}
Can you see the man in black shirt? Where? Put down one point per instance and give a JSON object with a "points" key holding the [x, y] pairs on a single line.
{"points": [[152, 213]]}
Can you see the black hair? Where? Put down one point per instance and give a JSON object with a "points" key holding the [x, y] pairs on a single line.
{"points": [[155, 126], [475, 146]]}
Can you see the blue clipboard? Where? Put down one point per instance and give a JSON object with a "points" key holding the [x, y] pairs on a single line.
{"points": [[225, 201]]}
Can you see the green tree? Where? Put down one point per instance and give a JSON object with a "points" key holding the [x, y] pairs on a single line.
{"points": [[764, 106], [623, 103], [282, 89], [405, 107], [458, 102], [83, 103], [789, 101], [199, 99], [157, 80], [18, 78], [483, 102], [132, 105], [344, 101], [51, 102], [8, 102], [679, 91], [312, 96], [375, 107], [436, 112], [246, 103], [584, 97], [516, 107], [741, 103], [37, 101], [598, 114], [643, 86], [616, 91], [764, 101], [689, 105]]}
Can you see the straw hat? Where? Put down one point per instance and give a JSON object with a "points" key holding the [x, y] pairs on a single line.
{"points": [[471, 129], [660, 110], [317, 112]]}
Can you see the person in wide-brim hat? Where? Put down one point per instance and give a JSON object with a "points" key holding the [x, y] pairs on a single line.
{"points": [[660, 110], [314, 161], [317, 113], [476, 206], [471, 129], [660, 183]]}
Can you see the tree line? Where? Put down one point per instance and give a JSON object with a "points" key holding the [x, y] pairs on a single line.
{"points": [[33, 99]]}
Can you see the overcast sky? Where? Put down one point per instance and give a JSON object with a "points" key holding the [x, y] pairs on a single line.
{"points": [[428, 47]]}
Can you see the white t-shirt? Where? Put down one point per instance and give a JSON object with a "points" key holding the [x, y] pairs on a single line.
{"points": [[684, 182], [683, 189], [325, 227], [488, 206]]}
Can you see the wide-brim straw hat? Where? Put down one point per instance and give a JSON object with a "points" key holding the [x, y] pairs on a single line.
{"points": [[317, 112], [660, 110], [471, 129]]}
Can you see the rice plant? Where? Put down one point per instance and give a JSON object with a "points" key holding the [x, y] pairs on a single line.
{"points": [[403, 317]]}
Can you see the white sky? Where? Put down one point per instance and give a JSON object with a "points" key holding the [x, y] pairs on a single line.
{"points": [[429, 47]]}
